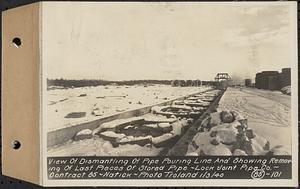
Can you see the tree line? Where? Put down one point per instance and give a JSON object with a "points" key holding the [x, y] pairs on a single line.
{"points": [[71, 83]]}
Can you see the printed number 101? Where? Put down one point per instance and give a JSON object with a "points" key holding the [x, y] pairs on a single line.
{"points": [[276, 174]]}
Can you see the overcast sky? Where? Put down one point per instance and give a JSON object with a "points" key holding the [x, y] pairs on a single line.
{"points": [[123, 41]]}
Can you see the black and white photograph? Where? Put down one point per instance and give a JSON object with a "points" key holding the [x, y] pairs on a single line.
{"points": [[168, 79]]}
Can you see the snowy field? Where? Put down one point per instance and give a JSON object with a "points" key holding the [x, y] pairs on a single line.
{"points": [[97, 102], [268, 112]]}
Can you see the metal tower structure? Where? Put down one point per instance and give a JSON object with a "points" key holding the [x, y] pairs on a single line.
{"points": [[222, 77]]}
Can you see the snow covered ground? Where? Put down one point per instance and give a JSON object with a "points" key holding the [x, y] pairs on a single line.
{"points": [[268, 112], [105, 101]]}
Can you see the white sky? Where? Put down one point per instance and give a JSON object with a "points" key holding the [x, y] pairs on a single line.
{"points": [[123, 41]]}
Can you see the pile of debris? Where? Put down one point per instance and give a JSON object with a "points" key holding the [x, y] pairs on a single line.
{"points": [[179, 111], [158, 131], [160, 128], [191, 107], [227, 133]]}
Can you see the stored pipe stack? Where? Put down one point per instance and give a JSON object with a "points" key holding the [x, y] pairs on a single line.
{"points": [[273, 80], [248, 82], [258, 81], [268, 80], [285, 77]]}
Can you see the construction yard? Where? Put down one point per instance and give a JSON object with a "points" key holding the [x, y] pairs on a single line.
{"points": [[151, 133], [195, 121]]}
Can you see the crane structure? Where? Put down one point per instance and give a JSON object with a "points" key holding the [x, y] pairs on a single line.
{"points": [[223, 80], [222, 77]]}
